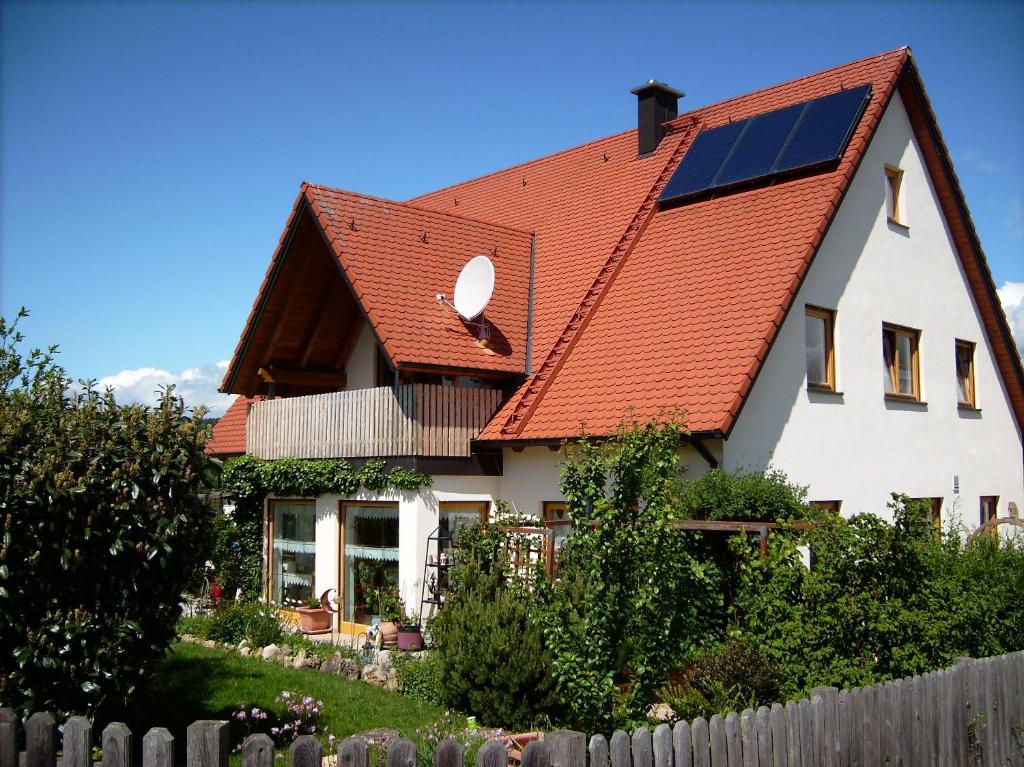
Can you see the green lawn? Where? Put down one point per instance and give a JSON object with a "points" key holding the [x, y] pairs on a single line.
{"points": [[195, 682]]}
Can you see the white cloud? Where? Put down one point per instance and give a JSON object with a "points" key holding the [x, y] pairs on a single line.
{"points": [[978, 162], [197, 386], [1011, 296]]}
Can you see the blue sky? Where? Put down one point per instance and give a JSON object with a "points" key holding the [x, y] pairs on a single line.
{"points": [[150, 152]]}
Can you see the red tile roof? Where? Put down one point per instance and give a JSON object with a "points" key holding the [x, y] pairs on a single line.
{"points": [[229, 432], [400, 256], [696, 292]]}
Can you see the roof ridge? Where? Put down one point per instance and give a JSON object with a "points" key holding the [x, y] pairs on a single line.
{"points": [[418, 208], [792, 81], [523, 164]]}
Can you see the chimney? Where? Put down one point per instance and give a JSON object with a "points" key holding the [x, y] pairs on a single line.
{"points": [[656, 104]]}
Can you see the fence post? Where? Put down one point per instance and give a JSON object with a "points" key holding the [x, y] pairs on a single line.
{"points": [[157, 748], [682, 744], [258, 751], [619, 747], [401, 754], [662, 746], [793, 747], [492, 754], [568, 748], [206, 743], [77, 742], [449, 753], [748, 736], [535, 754], [116, 743], [733, 744], [830, 698], [780, 746], [41, 740], [305, 751], [352, 752], [643, 755], [701, 740], [764, 736], [598, 752], [8, 738]]}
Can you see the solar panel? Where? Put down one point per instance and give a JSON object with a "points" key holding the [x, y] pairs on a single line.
{"points": [[784, 140], [755, 152], [698, 169], [825, 128]]}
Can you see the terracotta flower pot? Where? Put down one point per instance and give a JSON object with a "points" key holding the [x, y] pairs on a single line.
{"points": [[388, 634], [314, 620]]}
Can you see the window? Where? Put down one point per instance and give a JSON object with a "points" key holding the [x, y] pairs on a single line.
{"points": [[292, 552], [821, 370], [934, 511], [899, 353], [832, 507], [556, 517], [453, 516], [989, 508], [965, 373], [370, 545], [893, 181]]}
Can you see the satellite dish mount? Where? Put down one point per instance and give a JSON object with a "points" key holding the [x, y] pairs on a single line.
{"points": [[473, 290]]}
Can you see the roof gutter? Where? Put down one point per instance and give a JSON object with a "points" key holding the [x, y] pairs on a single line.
{"points": [[529, 305]]}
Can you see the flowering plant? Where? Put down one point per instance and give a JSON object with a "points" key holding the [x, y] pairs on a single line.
{"points": [[298, 715]]}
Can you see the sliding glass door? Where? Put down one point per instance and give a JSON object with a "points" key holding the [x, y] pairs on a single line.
{"points": [[293, 551], [370, 556]]}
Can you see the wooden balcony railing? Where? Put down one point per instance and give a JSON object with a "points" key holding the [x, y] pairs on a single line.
{"points": [[417, 419]]}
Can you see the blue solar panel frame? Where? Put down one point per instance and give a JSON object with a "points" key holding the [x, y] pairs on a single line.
{"points": [[795, 138]]}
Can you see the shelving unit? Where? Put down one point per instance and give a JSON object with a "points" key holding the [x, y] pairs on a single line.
{"points": [[435, 573]]}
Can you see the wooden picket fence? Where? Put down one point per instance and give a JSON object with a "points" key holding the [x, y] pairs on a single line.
{"points": [[970, 714]]}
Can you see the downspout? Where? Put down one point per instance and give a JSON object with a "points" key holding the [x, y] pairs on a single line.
{"points": [[707, 455], [529, 305]]}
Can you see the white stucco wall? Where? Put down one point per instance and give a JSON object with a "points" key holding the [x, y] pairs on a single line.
{"points": [[858, 447], [361, 367]]}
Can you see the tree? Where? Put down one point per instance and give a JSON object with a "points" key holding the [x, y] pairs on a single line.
{"points": [[102, 526]]}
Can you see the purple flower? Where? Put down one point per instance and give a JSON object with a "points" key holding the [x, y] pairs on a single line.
{"points": [[240, 716]]}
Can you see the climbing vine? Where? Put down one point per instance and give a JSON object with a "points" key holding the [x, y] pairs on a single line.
{"points": [[250, 480]]}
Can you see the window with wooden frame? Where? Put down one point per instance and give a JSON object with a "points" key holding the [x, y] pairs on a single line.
{"points": [[899, 353], [989, 508], [819, 333], [934, 511], [832, 507], [291, 555], [556, 517], [965, 374], [893, 182], [453, 516]]}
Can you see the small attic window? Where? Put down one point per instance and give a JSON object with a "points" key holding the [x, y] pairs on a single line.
{"points": [[893, 183]]}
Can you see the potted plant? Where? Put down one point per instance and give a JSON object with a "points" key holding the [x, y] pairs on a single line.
{"points": [[410, 637], [313, 618], [389, 608]]}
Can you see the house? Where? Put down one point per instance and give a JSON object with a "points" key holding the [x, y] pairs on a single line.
{"points": [[795, 268]]}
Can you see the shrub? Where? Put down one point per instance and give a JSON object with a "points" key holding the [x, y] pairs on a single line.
{"points": [[631, 600], [102, 529], [422, 678], [255, 622], [492, 656], [731, 677], [881, 601], [195, 625]]}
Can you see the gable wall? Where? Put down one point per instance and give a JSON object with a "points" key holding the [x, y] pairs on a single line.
{"points": [[858, 447], [361, 367]]}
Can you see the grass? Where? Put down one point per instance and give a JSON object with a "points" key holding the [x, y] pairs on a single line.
{"points": [[196, 682]]}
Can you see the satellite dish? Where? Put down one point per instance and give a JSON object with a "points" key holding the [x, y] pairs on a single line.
{"points": [[474, 287]]}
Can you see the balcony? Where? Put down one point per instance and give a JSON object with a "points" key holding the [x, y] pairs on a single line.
{"points": [[414, 420]]}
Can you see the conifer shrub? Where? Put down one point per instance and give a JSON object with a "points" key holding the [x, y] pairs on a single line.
{"points": [[493, 661]]}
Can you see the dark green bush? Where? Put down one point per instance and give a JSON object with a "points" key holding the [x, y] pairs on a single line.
{"points": [[731, 677], [882, 600], [493, 661], [422, 678], [101, 528]]}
